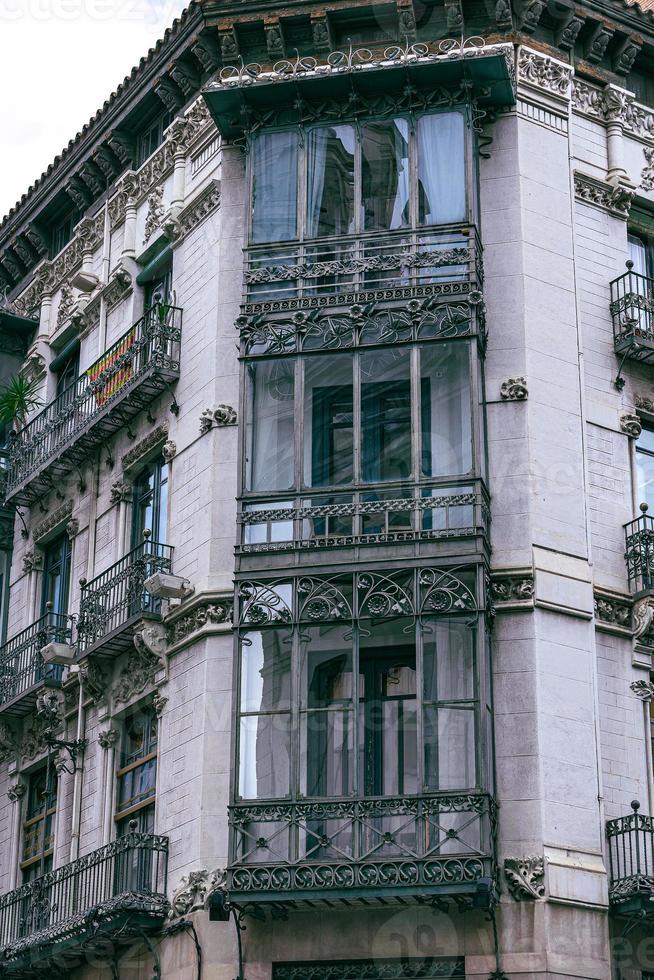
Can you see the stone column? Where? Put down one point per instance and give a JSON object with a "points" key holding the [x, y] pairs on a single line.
{"points": [[15, 794], [108, 741], [617, 100], [129, 239]]}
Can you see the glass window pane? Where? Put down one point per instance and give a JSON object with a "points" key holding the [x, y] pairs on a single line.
{"points": [[637, 249], [266, 671], [270, 445], [274, 187], [450, 748], [645, 473], [387, 709], [448, 660], [326, 753], [445, 410], [326, 666], [385, 174], [441, 168], [386, 415], [264, 764], [330, 188], [328, 420]]}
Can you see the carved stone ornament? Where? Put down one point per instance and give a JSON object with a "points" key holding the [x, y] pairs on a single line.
{"points": [[169, 450], [72, 528], [221, 416], [643, 690], [214, 612], [643, 615], [145, 446], [34, 367], [204, 204], [514, 390], [120, 492], [32, 560], [194, 890], [50, 705], [644, 403], [525, 877], [143, 665], [94, 679], [616, 200], [631, 425], [108, 738], [159, 702], [545, 73], [8, 742], [511, 588], [66, 301], [647, 174], [156, 212], [17, 791], [53, 520], [613, 610], [33, 741]]}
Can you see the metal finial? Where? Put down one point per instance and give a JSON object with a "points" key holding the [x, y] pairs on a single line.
{"points": [[146, 533], [629, 264], [49, 605], [635, 805], [644, 507], [133, 824]]}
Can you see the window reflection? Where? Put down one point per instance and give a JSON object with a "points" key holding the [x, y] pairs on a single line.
{"points": [[274, 187], [330, 187], [385, 174]]}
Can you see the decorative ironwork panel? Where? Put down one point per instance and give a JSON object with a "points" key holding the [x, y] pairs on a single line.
{"points": [[406, 968], [639, 553], [408, 842], [632, 310], [118, 595], [21, 664], [631, 857], [127, 875], [151, 345]]}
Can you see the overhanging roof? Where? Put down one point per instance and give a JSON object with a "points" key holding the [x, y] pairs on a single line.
{"points": [[359, 81]]}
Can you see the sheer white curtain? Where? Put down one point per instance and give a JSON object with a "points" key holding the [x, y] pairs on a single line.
{"points": [[274, 187], [441, 168], [316, 162]]}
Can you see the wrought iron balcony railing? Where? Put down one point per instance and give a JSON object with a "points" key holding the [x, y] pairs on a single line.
{"points": [[436, 845], [632, 310], [6, 514], [22, 669], [631, 862], [138, 366], [365, 263], [362, 517], [111, 895], [639, 552], [113, 603]]}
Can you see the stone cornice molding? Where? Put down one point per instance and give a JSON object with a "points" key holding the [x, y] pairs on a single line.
{"points": [[59, 516], [613, 612], [544, 74], [512, 588], [156, 437], [613, 104], [616, 200], [194, 213], [207, 612]]}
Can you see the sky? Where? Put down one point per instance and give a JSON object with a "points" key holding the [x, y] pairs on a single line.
{"points": [[60, 60]]}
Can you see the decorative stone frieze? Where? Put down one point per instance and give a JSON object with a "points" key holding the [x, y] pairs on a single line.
{"points": [[637, 120], [8, 741], [514, 390], [108, 738], [647, 173], [17, 791], [155, 213], [644, 403], [193, 891], [512, 589], [145, 446], [58, 516], [614, 199], [32, 560], [169, 450], [204, 204], [631, 425], [120, 491], [539, 71], [206, 612], [613, 613], [222, 415], [65, 304], [525, 877]]}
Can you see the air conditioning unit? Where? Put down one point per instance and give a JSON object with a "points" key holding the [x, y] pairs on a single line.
{"points": [[163, 586], [58, 653]]}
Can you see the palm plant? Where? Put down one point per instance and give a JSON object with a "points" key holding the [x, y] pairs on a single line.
{"points": [[18, 397]]}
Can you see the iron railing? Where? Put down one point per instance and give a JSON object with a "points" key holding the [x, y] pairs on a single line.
{"points": [[21, 664], [632, 310], [151, 344], [409, 513], [639, 552], [362, 263], [126, 876], [631, 856], [117, 596], [284, 851]]}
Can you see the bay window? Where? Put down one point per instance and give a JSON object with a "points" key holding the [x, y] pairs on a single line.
{"points": [[370, 176]]}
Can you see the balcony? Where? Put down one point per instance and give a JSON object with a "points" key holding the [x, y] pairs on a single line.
{"points": [[6, 513], [632, 310], [639, 553], [631, 863], [23, 673], [135, 369], [103, 900], [430, 848], [115, 602]]}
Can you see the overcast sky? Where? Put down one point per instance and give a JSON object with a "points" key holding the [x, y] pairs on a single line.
{"points": [[60, 60]]}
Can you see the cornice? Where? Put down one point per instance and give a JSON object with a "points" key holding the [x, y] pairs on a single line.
{"points": [[616, 200]]}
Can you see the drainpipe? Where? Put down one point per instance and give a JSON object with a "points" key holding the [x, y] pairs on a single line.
{"points": [[77, 778]]}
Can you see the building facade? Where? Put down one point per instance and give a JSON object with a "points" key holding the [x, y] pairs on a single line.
{"points": [[326, 568]]}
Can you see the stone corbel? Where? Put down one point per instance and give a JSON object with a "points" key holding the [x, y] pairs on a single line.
{"points": [[530, 15], [222, 415], [120, 492], [320, 31], [32, 561], [625, 54], [514, 390], [109, 738], [17, 791], [193, 891], [568, 32], [644, 690], [274, 38], [631, 425], [525, 877], [597, 42], [407, 20], [228, 44], [643, 614]]}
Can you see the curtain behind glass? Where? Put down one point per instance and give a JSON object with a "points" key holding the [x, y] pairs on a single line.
{"points": [[274, 187], [270, 419], [385, 174], [441, 168], [445, 409], [330, 181]]}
